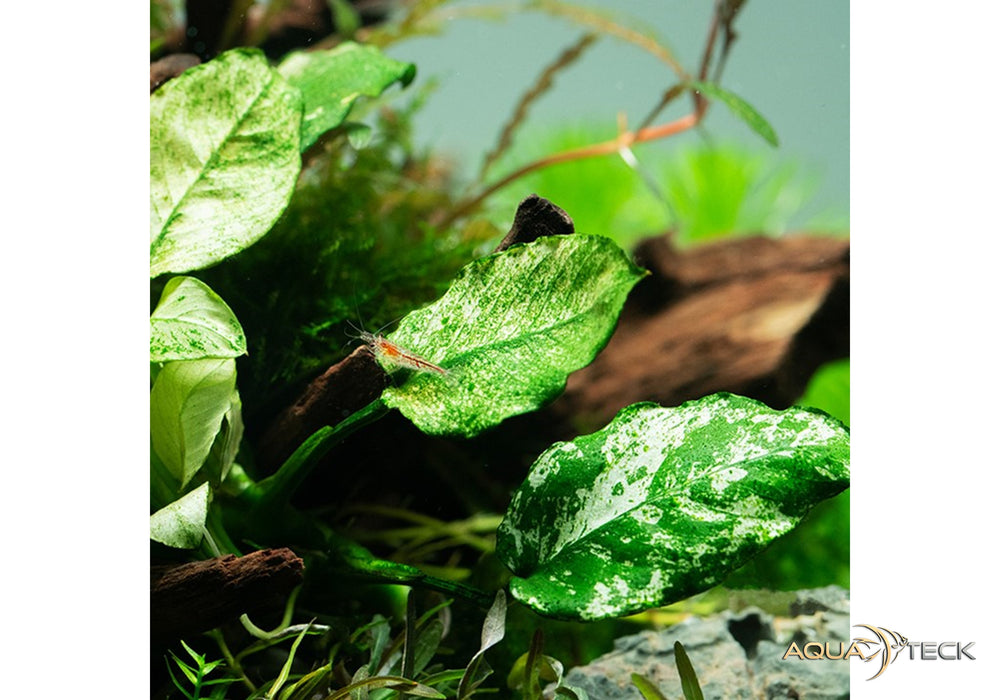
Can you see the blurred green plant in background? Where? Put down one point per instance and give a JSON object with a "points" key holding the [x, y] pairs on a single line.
{"points": [[702, 191]]}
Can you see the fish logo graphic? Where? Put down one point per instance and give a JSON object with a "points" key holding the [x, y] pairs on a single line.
{"points": [[887, 646]]}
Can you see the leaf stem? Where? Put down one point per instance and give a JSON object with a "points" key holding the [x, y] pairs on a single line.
{"points": [[217, 538], [598, 149], [231, 661], [279, 487], [354, 560]]}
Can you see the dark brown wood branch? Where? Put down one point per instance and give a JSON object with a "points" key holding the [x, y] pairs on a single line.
{"points": [[357, 380], [342, 389], [170, 67], [188, 599], [754, 316], [536, 217]]}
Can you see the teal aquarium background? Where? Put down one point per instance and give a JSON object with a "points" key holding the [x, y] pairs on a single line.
{"points": [[790, 61]]}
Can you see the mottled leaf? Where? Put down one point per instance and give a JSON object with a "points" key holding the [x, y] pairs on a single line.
{"points": [[664, 502], [224, 157], [181, 524], [331, 81], [186, 407], [740, 108], [191, 322], [509, 330]]}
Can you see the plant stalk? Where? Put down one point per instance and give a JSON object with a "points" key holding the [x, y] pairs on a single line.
{"points": [[279, 487]]}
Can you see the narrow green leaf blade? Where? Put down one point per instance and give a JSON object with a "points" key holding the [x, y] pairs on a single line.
{"points": [[188, 671], [689, 679], [380, 637], [510, 330], [331, 81], [191, 322], [740, 108], [647, 688], [181, 524], [428, 639], [224, 157], [286, 669], [392, 682], [665, 502], [186, 407], [494, 628]]}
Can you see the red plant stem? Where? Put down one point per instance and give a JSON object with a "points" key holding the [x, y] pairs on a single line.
{"points": [[615, 145], [598, 149]]}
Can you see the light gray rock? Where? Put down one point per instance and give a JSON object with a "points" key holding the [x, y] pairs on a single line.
{"points": [[736, 655]]}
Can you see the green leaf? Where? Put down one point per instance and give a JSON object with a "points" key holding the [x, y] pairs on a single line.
{"points": [[345, 18], [186, 407], [392, 682], [224, 158], [509, 330], [191, 322], [190, 673], [226, 445], [380, 637], [494, 627], [182, 523], [309, 685], [739, 107], [647, 688], [533, 666], [286, 669], [358, 135], [331, 81], [689, 679], [428, 639], [665, 502]]}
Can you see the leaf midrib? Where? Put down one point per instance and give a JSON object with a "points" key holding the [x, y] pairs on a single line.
{"points": [[207, 166]]}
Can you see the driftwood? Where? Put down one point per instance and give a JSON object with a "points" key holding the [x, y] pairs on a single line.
{"points": [[753, 316], [536, 217], [358, 380], [170, 67], [342, 389], [187, 599]]}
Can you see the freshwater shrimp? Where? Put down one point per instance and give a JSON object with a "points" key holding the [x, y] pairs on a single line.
{"points": [[389, 353]]}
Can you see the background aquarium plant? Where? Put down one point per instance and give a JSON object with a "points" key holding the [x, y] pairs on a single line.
{"points": [[425, 514]]}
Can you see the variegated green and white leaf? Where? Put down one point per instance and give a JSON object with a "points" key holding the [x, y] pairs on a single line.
{"points": [[191, 322], [181, 524], [331, 82], [223, 159], [665, 502], [510, 330]]}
